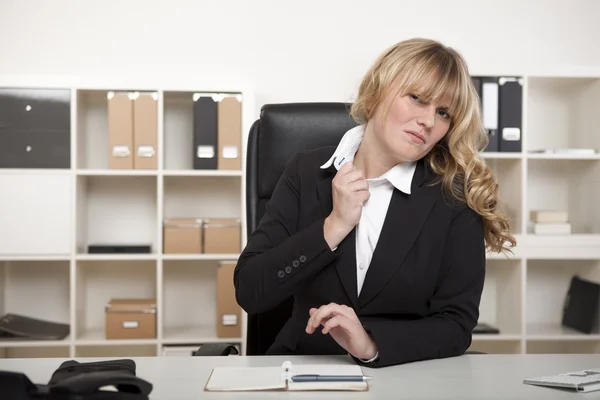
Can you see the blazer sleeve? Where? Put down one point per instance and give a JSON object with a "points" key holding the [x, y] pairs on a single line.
{"points": [[279, 260], [446, 332]]}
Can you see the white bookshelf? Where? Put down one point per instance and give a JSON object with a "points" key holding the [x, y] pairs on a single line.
{"points": [[45, 270], [46, 273]]}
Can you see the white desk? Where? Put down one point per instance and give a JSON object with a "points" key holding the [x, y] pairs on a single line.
{"points": [[467, 377]]}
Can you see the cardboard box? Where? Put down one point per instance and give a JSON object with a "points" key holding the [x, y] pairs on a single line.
{"points": [[120, 130], [230, 133], [131, 319], [145, 130], [182, 236], [229, 313], [222, 236]]}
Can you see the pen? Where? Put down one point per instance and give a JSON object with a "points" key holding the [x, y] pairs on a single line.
{"points": [[330, 378]]}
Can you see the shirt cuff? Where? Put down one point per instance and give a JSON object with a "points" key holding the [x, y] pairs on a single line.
{"points": [[371, 360]]}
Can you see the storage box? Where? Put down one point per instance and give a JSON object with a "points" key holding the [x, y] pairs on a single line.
{"points": [[145, 130], [120, 130], [131, 319], [182, 236], [222, 236], [229, 313]]}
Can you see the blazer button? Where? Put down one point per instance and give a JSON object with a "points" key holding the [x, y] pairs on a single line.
{"points": [[280, 273], [296, 263], [288, 269], [302, 258]]}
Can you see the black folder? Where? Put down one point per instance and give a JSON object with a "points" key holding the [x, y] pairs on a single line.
{"points": [[510, 114], [580, 310], [205, 132], [35, 128], [21, 327]]}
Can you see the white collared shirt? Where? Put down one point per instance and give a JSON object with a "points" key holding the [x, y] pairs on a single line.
{"points": [[375, 209]]}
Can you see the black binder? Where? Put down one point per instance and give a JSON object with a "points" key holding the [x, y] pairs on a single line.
{"points": [[580, 310], [35, 128], [510, 114], [20, 327], [205, 132]]}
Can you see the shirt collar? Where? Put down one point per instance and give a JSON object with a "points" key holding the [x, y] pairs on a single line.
{"points": [[400, 176]]}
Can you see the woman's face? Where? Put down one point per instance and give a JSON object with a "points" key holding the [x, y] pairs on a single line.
{"points": [[412, 126]]}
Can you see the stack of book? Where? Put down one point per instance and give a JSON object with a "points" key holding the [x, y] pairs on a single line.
{"points": [[550, 222]]}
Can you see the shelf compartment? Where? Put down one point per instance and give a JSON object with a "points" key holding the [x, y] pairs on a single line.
{"points": [[36, 289], [564, 185], [548, 282], [93, 144], [100, 281], [116, 351], [190, 302], [202, 197], [116, 210], [36, 214], [562, 112], [509, 173], [178, 125], [500, 304]]}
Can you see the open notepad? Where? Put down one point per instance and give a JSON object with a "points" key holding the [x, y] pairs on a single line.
{"points": [[245, 379]]}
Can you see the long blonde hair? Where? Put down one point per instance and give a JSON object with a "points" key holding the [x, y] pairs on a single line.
{"points": [[435, 71]]}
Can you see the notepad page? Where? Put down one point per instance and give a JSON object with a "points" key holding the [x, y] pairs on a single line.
{"points": [[327, 369], [245, 379]]}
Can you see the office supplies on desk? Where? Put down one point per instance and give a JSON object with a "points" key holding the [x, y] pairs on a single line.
{"points": [[246, 379], [582, 381], [330, 378]]}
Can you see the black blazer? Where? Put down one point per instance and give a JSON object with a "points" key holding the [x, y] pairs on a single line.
{"points": [[420, 298]]}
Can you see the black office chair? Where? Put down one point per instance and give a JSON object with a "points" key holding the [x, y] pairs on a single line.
{"points": [[281, 131]]}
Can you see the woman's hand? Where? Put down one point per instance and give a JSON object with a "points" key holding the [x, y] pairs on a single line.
{"points": [[342, 323], [350, 191]]}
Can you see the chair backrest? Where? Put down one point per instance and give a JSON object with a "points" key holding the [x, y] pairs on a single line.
{"points": [[281, 131]]}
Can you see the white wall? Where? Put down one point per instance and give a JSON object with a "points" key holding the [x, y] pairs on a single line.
{"points": [[286, 50]]}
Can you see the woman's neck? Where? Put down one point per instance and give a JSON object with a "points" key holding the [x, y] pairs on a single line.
{"points": [[370, 158]]}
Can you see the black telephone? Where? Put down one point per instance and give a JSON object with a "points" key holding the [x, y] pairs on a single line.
{"points": [[114, 379]]}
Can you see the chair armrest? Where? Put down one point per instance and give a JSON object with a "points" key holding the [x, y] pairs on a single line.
{"points": [[217, 349]]}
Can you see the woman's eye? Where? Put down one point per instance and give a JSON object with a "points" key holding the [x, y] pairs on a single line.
{"points": [[414, 97], [444, 114]]}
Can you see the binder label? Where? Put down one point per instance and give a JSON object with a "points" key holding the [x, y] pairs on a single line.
{"points": [[229, 319], [121, 151], [205, 152], [230, 152], [511, 134], [145, 151], [130, 324]]}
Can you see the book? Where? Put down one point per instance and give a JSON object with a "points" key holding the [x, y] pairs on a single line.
{"points": [[549, 216], [281, 378]]}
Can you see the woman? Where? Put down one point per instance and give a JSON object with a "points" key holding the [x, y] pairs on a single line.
{"points": [[381, 240]]}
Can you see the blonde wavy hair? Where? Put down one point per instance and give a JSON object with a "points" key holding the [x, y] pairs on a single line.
{"points": [[437, 72]]}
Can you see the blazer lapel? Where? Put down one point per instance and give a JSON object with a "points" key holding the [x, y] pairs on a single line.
{"points": [[403, 223], [346, 263]]}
